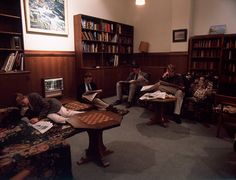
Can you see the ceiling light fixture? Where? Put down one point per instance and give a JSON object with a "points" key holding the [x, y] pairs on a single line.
{"points": [[140, 2]]}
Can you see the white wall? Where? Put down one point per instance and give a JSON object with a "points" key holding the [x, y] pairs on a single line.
{"points": [[181, 19], [152, 22], [213, 12], [107, 9]]}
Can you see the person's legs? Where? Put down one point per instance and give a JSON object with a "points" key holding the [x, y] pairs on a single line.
{"points": [[132, 90], [118, 93], [57, 118], [119, 90], [100, 104], [67, 112], [179, 101]]}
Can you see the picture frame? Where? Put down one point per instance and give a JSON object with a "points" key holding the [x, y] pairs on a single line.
{"points": [[52, 87], [46, 16], [180, 35]]}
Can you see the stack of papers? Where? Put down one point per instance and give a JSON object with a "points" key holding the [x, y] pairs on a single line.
{"points": [[155, 95]]}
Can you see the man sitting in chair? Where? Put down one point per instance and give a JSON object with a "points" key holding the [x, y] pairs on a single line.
{"points": [[172, 83], [134, 82], [89, 86]]}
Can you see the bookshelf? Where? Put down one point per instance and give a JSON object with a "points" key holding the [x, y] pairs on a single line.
{"points": [[102, 43], [11, 37], [205, 54], [215, 55], [228, 67]]}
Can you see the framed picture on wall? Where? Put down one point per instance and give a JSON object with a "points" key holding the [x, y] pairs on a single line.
{"points": [[180, 35], [46, 16]]}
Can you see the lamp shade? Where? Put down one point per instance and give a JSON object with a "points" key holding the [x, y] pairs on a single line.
{"points": [[140, 2]]}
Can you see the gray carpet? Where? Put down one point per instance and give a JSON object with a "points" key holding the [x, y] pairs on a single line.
{"points": [[185, 151]]}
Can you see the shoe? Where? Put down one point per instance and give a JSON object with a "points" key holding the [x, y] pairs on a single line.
{"points": [[123, 112], [128, 105], [112, 109], [117, 102], [177, 119]]}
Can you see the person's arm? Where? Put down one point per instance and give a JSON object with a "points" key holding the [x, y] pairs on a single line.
{"points": [[130, 77], [43, 104], [143, 78]]}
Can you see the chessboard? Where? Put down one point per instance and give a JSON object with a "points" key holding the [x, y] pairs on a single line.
{"points": [[77, 106], [95, 120]]}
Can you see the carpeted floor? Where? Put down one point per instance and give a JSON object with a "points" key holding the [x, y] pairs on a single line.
{"points": [[186, 151]]}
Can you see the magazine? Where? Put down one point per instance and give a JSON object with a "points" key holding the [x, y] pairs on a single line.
{"points": [[42, 126], [90, 95]]}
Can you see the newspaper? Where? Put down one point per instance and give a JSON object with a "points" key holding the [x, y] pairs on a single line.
{"points": [[42, 126], [147, 87], [155, 95], [90, 95]]}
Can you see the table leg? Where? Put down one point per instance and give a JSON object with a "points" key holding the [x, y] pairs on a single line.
{"points": [[158, 117], [96, 149]]}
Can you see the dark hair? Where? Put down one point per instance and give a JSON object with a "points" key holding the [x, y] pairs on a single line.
{"points": [[88, 74], [136, 66]]}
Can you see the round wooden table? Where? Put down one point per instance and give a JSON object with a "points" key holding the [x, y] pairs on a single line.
{"points": [[160, 107]]}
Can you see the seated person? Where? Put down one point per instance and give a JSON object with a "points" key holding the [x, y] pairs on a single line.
{"points": [[89, 85], [172, 83], [41, 108], [201, 89], [135, 80]]}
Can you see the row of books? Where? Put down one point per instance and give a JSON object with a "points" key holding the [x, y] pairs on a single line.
{"points": [[230, 68], [231, 55], [105, 27], [125, 40], [204, 65], [114, 61], [125, 49], [95, 48], [206, 43], [206, 53], [14, 61], [230, 44], [95, 36]]}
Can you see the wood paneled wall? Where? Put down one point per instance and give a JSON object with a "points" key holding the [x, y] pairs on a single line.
{"points": [[11, 84], [43, 64], [178, 59]]}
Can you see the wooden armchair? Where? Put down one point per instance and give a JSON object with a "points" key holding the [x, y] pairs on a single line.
{"points": [[227, 111]]}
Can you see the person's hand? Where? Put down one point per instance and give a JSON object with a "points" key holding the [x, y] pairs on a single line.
{"points": [[166, 74], [34, 120], [132, 81]]}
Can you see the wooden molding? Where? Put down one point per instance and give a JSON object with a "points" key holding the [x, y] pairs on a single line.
{"points": [[34, 53]]}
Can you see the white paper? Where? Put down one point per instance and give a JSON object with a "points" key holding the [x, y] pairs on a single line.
{"points": [[42, 126], [145, 88], [155, 95]]}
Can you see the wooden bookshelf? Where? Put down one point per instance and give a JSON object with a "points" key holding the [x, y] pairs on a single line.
{"points": [[205, 54], [11, 34], [228, 66], [215, 55], [102, 43]]}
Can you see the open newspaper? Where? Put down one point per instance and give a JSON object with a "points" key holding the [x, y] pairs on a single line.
{"points": [[42, 126], [90, 95], [154, 95]]}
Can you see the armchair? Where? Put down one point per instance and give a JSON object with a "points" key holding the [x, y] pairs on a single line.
{"points": [[227, 110]]}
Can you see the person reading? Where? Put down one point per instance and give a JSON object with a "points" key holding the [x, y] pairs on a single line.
{"points": [[40, 108], [88, 93], [135, 81], [172, 83]]}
